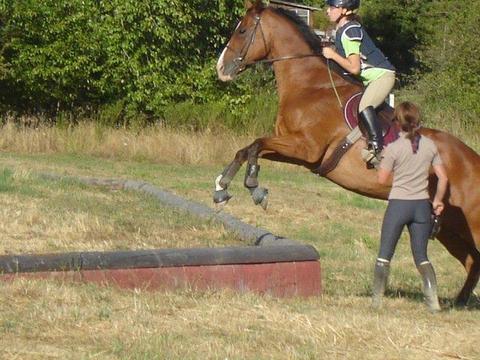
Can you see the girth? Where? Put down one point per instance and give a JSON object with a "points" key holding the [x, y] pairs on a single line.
{"points": [[350, 112]]}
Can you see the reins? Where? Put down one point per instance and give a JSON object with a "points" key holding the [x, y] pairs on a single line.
{"points": [[333, 84], [240, 59], [292, 57], [289, 57]]}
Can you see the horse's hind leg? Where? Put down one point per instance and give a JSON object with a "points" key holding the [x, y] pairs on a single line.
{"points": [[468, 255]]}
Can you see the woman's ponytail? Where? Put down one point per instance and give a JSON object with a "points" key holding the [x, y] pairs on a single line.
{"points": [[407, 115]]}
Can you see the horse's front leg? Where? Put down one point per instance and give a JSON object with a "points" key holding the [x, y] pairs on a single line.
{"points": [[297, 148], [259, 194], [221, 195]]}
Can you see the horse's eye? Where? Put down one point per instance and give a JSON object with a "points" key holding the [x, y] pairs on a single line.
{"points": [[242, 31]]}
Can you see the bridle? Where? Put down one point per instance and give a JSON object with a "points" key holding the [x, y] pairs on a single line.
{"points": [[239, 60], [241, 64]]}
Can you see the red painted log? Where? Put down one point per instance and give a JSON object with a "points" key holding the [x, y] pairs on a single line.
{"points": [[285, 279]]}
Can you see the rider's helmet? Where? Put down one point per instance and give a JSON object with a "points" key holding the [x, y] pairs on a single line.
{"points": [[347, 4]]}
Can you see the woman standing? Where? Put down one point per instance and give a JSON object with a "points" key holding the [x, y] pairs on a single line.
{"points": [[409, 159], [357, 54]]}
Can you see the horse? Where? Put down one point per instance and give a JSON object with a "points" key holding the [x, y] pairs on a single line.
{"points": [[309, 129]]}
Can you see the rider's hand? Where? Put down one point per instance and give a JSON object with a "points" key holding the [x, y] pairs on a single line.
{"points": [[328, 52], [438, 207]]}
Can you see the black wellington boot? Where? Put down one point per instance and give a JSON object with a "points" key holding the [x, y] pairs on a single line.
{"points": [[429, 286], [380, 278], [368, 119]]}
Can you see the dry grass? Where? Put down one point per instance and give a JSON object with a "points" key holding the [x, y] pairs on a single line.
{"points": [[42, 319], [90, 322], [46, 216], [449, 122], [155, 144]]}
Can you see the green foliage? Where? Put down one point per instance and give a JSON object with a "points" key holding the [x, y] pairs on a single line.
{"points": [[51, 50], [242, 108], [433, 44], [64, 54], [397, 27], [450, 73], [127, 63]]}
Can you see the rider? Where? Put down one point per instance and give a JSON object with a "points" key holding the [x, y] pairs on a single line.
{"points": [[357, 54]]}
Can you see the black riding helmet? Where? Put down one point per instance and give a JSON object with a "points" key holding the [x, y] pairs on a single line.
{"points": [[347, 4]]}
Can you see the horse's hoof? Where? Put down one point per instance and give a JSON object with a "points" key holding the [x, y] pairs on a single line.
{"points": [[264, 202], [221, 197], [460, 303], [218, 207], [260, 197]]}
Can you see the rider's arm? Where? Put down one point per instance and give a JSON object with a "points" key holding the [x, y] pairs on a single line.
{"points": [[351, 42], [350, 63]]}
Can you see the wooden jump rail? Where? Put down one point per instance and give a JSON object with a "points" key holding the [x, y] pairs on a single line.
{"points": [[274, 265], [291, 270]]}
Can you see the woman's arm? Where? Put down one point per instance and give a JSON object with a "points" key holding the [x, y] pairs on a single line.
{"points": [[351, 63], [384, 176], [442, 183]]}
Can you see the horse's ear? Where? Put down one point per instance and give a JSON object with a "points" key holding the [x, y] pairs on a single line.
{"points": [[258, 4]]}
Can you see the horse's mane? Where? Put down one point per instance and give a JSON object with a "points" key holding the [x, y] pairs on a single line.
{"points": [[313, 42], [308, 34]]}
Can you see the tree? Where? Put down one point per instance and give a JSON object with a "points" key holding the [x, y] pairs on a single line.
{"points": [[450, 67], [65, 54]]}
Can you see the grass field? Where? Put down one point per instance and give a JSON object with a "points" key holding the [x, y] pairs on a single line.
{"points": [[44, 319]]}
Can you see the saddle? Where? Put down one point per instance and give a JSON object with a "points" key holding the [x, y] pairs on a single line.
{"points": [[350, 114], [384, 113]]}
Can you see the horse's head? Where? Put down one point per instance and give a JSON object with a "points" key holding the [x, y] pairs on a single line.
{"points": [[247, 44]]}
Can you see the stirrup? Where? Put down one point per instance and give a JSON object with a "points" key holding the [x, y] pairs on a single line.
{"points": [[371, 157]]}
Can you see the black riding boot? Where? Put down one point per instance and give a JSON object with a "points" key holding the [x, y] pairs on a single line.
{"points": [[380, 278], [368, 119], [429, 286]]}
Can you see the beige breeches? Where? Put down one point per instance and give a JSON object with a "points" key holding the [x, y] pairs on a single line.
{"points": [[377, 91]]}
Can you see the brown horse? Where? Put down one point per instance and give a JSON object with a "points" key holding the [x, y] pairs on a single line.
{"points": [[309, 126]]}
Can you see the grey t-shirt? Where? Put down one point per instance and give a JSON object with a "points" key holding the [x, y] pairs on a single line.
{"points": [[410, 171]]}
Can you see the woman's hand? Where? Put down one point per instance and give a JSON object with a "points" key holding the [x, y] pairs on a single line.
{"points": [[438, 207]]}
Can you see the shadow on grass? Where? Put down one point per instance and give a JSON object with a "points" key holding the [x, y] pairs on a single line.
{"points": [[417, 296]]}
